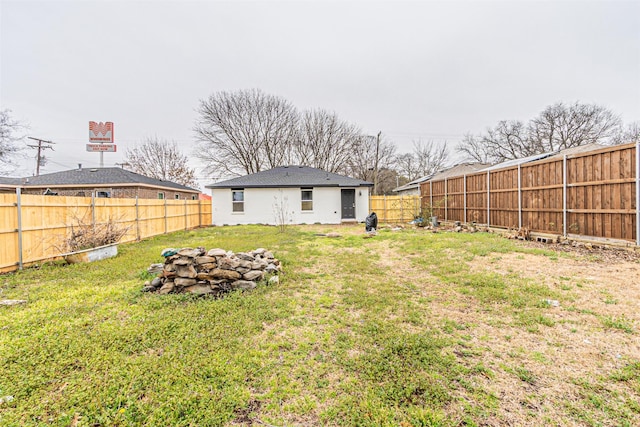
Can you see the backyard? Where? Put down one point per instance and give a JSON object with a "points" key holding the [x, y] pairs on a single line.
{"points": [[408, 328]]}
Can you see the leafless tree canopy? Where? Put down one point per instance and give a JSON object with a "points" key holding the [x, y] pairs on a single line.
{"points": [[245, 132], [370, 155], [9, 138], [558, 127], [629, 134], [161, 159], [425, 159], [324, 141]]}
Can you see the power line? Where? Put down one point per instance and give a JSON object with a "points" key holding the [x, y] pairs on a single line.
{"points": [[40, 147]]}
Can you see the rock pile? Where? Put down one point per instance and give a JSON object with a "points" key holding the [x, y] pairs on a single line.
{"points": [[212, 272]]}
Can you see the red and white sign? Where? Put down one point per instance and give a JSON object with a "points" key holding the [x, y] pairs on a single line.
{"points": [[101, 148], [101, 133]]}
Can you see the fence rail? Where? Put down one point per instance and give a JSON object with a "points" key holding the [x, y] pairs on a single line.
{"points": [[34, 227], [593, 194]]}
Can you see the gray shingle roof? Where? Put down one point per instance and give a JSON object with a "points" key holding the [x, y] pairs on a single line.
{"points": [[291, 176], [10, 181], [100, 176]]}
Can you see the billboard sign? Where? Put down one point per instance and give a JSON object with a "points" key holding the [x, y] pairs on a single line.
{"points": [[101, 133], [101, 148]]}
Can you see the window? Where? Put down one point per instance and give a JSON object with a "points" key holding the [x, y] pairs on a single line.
{"points": [[177, 196], [194, 197], [307, 199], [237, 196], [160, 195], [106, 194]]}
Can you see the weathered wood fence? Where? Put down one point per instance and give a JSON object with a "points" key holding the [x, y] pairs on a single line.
{"points": [[592, 194], [33, 227], [395, 209]]}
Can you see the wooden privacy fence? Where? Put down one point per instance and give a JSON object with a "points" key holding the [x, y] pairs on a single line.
{"points": [[592, 194], [395, 209], [34, 227]]}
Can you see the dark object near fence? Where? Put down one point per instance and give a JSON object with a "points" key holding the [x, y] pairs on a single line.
{"points": [[371, 222]]}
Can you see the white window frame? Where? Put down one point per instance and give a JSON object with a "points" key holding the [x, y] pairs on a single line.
{"points": [[237, 206], [307, 201]]}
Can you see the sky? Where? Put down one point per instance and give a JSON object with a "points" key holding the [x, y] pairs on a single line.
{"points": [[422, 70]]}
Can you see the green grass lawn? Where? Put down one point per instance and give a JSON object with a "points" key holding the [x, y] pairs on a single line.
{"points": [[399, 329]]}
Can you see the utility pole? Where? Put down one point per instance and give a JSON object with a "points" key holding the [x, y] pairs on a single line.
{"points": [[375, 171], [40, 147]]}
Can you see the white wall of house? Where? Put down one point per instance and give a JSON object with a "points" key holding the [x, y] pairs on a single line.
{"points": [[261, 205]]}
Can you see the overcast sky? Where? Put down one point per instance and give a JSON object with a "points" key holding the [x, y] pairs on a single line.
{"points": [[413, 70]]}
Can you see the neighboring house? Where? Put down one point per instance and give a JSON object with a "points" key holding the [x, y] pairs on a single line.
{"points": [[411, 188], [552, 155], [9, 185], [105, 182], [291, 195]]}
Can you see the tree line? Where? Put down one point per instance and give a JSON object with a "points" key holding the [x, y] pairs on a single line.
{"points": [[248, 131]]}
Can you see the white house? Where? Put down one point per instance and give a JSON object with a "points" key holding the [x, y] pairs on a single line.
{"points": [[290, 194]]}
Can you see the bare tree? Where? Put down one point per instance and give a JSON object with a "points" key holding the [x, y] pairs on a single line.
{"points": [[245, 132], [370, 155], [425, 159], [562, 126], [325, 141], [161, 159], [508, 140], [9, 138], [557, 127], [629, 134]]}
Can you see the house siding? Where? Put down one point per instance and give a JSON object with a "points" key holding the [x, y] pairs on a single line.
{"points": [[260, 206]]}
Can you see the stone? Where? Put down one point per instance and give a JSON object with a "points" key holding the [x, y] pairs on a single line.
{"points": [[243, 263], [274, 280], [245, 256], [243, 270], [271, 268], [169, 274], [168, 252], [155, 268], [181, 261], [148, 288], [13, 301], [253, 275], [187, 271], [199, 289], [216, 252], [243, 285], [205, 260], [259, 264], [258, 251], [189, 252], [207, 266], [224, 274], [202, 276], [156, 282], [268, 255], [166, 288], [181, 281], [227, 263]]}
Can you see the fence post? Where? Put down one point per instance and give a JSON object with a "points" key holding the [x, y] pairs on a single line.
{"points": [[19, 207], [431, 197], [93, 209], [519, 196], [564, 196], [464, 197], [137, 219], [637, 193], [199, 213], [401, 208], [165, 216], [488, 200], [186, 221], [446, 204]]}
